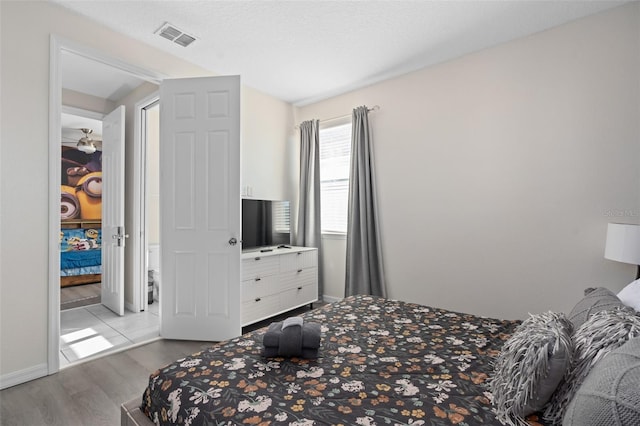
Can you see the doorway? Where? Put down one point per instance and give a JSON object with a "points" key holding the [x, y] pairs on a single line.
{"points": [[201, 301], [148, 111], [80, 228], [73, 62], [94, 329]]}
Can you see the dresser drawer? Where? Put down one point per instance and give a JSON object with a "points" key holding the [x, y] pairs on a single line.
{"points": [[259, 266], [259, 287], [300, 295], [297, 278], [298, 260], [256, 310]]}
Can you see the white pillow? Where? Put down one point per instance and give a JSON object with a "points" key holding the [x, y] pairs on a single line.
{"points": [[630, 295]]}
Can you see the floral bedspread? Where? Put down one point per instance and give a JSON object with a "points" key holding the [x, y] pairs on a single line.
{"points": [[382, 362]]}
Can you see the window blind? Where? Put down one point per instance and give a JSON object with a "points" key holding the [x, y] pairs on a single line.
{"points": [[335, 157]]}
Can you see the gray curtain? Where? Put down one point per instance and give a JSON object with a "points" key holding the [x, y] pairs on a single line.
{"points": [[365, 274], [308, 233]]}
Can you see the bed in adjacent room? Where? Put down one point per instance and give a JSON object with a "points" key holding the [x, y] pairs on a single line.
{"points": [[80, 256], [381, 362]]}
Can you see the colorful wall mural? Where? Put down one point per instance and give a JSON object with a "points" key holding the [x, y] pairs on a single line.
{"points": [[81, 185]]}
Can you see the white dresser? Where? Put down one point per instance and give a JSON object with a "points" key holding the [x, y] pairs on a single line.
{"points": [[277, 281]]}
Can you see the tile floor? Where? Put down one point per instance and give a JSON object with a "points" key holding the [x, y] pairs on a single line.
{"points": [[95, 330]]}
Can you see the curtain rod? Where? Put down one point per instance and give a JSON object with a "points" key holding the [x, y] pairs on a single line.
{"points": [[373, 108]]}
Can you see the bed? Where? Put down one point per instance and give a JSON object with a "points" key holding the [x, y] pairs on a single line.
{"points": [[381, 362], [80, 256]]}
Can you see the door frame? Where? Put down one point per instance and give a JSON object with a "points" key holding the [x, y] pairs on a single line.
{"points": [[57, 46], [141, 200]]}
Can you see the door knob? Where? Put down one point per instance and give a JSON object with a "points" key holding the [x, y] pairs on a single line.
{"points": [[120, 236], [233, 241]]}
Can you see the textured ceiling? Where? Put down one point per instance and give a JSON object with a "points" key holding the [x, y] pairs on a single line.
{"points": [[304, 51]]}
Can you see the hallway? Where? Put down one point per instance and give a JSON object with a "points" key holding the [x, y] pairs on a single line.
{"points": [[95, 330]]}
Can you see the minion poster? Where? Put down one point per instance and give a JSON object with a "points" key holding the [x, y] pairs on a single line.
{"points": [[81, 189]]}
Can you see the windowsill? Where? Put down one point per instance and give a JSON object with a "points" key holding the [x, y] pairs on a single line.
{"points": [[334, 236]]}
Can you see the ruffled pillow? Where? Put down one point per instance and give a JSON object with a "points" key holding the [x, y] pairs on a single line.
{"points": [[601, 334], [530, 365], [594, 300]]}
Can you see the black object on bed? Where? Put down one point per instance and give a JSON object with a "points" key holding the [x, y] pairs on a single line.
{"points": [[380, 362], [292, 338]]}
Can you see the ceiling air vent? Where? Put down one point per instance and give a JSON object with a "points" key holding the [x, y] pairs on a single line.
{"points": [[184, 40], [170, 32]]}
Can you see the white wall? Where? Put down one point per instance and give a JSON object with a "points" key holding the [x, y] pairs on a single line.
{"points": [[24, 81], [499, 171], [153, 175], [265, 157], [334, 260], [87, 102]]}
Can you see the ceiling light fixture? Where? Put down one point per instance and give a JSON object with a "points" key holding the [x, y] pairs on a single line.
{"points": [[85, 144], [172, 33]]}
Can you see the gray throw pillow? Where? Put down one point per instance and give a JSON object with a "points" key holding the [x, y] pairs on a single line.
{"points": [[530, 365], [610, 395], [601, 334], [594, 300]]}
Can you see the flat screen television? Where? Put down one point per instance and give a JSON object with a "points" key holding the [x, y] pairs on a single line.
{"points": [[265, 223]]}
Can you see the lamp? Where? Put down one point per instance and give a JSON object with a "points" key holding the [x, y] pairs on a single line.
{"points": [[623, 244]]}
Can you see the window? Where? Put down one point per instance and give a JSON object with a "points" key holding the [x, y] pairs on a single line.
{"points": [[335, 157], [281, 217]]}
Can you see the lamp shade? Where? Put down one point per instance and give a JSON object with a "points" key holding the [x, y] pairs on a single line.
{"points": [[623, 243]]}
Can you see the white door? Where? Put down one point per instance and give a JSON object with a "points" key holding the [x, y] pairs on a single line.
{"points": [[200, 208], [113, 235]]}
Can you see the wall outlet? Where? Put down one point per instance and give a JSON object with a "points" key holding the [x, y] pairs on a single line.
{"points": [[246, 191]]}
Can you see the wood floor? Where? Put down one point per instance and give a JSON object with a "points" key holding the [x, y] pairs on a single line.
{"points": [[79, 295], [90, 393]]}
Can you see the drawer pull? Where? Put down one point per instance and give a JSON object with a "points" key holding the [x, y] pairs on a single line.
{"points": [[300, 288], [258, 299], [256, 259], [258, 279], [299, 270]]}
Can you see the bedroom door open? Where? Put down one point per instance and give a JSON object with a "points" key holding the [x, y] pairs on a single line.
{"points": [[113, 232], [200, 208]]}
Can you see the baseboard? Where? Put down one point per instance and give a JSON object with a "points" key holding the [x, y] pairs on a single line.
{"points": [[22, 376], [130, 307], [330, 299]]}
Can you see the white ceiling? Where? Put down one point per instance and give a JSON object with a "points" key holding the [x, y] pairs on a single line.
{"points": [[71, 125], [94, 78], [304, 51]]}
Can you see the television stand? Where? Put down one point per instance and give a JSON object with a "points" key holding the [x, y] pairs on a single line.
{"points": [[277, 281]]}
